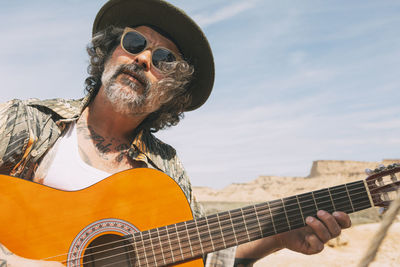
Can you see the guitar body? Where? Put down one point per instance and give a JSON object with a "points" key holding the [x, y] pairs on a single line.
{"points": [[40, 222]]}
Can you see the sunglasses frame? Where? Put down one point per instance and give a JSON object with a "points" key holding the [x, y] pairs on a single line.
{"points": [[128, 30]]}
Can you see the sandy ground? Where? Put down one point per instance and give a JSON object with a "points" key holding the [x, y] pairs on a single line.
{"points": [[355, 242]]}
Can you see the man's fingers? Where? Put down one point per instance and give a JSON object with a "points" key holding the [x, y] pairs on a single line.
{"points": [[342, 218], [319, 229], [315, 245], [330, 222]]}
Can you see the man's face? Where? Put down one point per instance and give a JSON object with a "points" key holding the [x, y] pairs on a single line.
{"points": [[130, 80]]}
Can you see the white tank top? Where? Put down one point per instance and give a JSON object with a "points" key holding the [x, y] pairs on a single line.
{"points": [[67, 170]]}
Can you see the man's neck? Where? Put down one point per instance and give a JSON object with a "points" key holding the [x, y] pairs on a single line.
{"points": [[104, 119]]}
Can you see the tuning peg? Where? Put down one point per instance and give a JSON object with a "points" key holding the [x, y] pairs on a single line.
{"points": [[394, 165], [369, 171], [380, 168]]}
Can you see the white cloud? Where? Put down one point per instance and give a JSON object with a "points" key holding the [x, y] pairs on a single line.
{"points": [[223, 13]]}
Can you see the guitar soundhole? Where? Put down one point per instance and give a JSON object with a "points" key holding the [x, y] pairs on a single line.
{"points": [[109, 250]]}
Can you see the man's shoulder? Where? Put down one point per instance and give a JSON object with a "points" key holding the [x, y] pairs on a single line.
{"points": [[65, 108], [155, 146]]}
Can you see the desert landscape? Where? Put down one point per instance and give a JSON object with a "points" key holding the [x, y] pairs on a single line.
{"points": [[348, 249]]}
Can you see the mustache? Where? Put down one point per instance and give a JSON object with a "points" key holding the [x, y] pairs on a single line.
{"points": [[134, 70]]}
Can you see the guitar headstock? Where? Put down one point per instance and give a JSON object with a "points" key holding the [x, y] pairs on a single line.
{"points": [[383, 184]]}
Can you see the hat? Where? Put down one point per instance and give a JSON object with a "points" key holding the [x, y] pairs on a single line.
{"points": [[183, 31]]}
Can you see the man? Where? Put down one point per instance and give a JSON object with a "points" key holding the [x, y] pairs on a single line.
{"points": [[149, 63]]}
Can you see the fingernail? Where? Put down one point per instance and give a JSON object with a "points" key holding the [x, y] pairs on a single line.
{"points": [[321, 213], [309, 219], [335, 214]]}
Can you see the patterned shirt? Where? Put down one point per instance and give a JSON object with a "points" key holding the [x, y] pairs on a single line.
{"points": [[29, 128]]}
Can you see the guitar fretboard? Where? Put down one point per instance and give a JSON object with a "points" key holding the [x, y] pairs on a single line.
{"points": [[195, 238]]}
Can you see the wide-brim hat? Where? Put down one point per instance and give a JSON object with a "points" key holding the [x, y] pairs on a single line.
{"points": [[178, 26]]}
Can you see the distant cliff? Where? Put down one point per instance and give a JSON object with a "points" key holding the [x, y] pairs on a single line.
{"points": [[324, 173], [344, 167]]}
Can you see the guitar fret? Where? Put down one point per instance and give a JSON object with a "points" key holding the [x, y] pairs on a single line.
{"points": [[220, 228], [292, 210], [266, 221], [286, 215], [165, 244], [189, 239], [179, 241], [251, 222], [245, 225], [144, 249], [272, 218], [308, 205], [333, 203], [139, 256], [362, 195], [341, 198], [161, 248], [301, 213], [170, 244], [195, 240], [348, 194], [279, 216], [209, 232], [152, 244], [134, 244], [197, 227], [215, 232], [258, 221], [324, 200], [227, 229], [233, 228], [315, 202], [183, 240]]}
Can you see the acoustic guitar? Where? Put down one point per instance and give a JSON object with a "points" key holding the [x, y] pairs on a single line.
{"points": [[141, 217]]}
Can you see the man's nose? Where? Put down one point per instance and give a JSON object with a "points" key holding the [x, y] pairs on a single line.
{"points": [[143, 59]]}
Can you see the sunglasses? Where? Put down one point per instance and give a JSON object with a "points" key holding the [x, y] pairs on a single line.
{"points": [[133, 42]]}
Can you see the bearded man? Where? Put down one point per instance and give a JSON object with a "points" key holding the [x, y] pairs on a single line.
{"points": [[149, 63]]}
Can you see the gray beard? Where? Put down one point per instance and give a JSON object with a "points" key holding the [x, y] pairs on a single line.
{"points": [[127, 102]]}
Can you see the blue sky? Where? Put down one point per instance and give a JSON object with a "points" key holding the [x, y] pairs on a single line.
{"points": [[296, 81]]}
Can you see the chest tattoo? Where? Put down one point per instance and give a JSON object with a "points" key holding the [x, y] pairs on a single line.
{"points": [[104, 146]]}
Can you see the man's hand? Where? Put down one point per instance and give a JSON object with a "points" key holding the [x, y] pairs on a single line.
{"points": [[307, 240], [311, 239]]}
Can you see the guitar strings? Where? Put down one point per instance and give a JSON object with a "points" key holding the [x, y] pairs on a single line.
{"points": [[208, 231], [158, 237], [166, 260], [197, 223], [247, 223], [120, 241], [241, 213], [155, 256], [246, 238]]}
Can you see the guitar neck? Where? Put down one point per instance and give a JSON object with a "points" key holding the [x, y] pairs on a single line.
{"points": [[195, 238]]}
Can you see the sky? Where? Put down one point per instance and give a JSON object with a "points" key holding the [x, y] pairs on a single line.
{"points": [[296, 81]]}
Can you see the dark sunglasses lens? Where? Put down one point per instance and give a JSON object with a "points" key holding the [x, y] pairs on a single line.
{"points": [[134, 42], [161, 55]]}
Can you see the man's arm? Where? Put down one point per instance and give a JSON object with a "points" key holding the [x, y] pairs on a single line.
{"points": [[307, 240]]}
